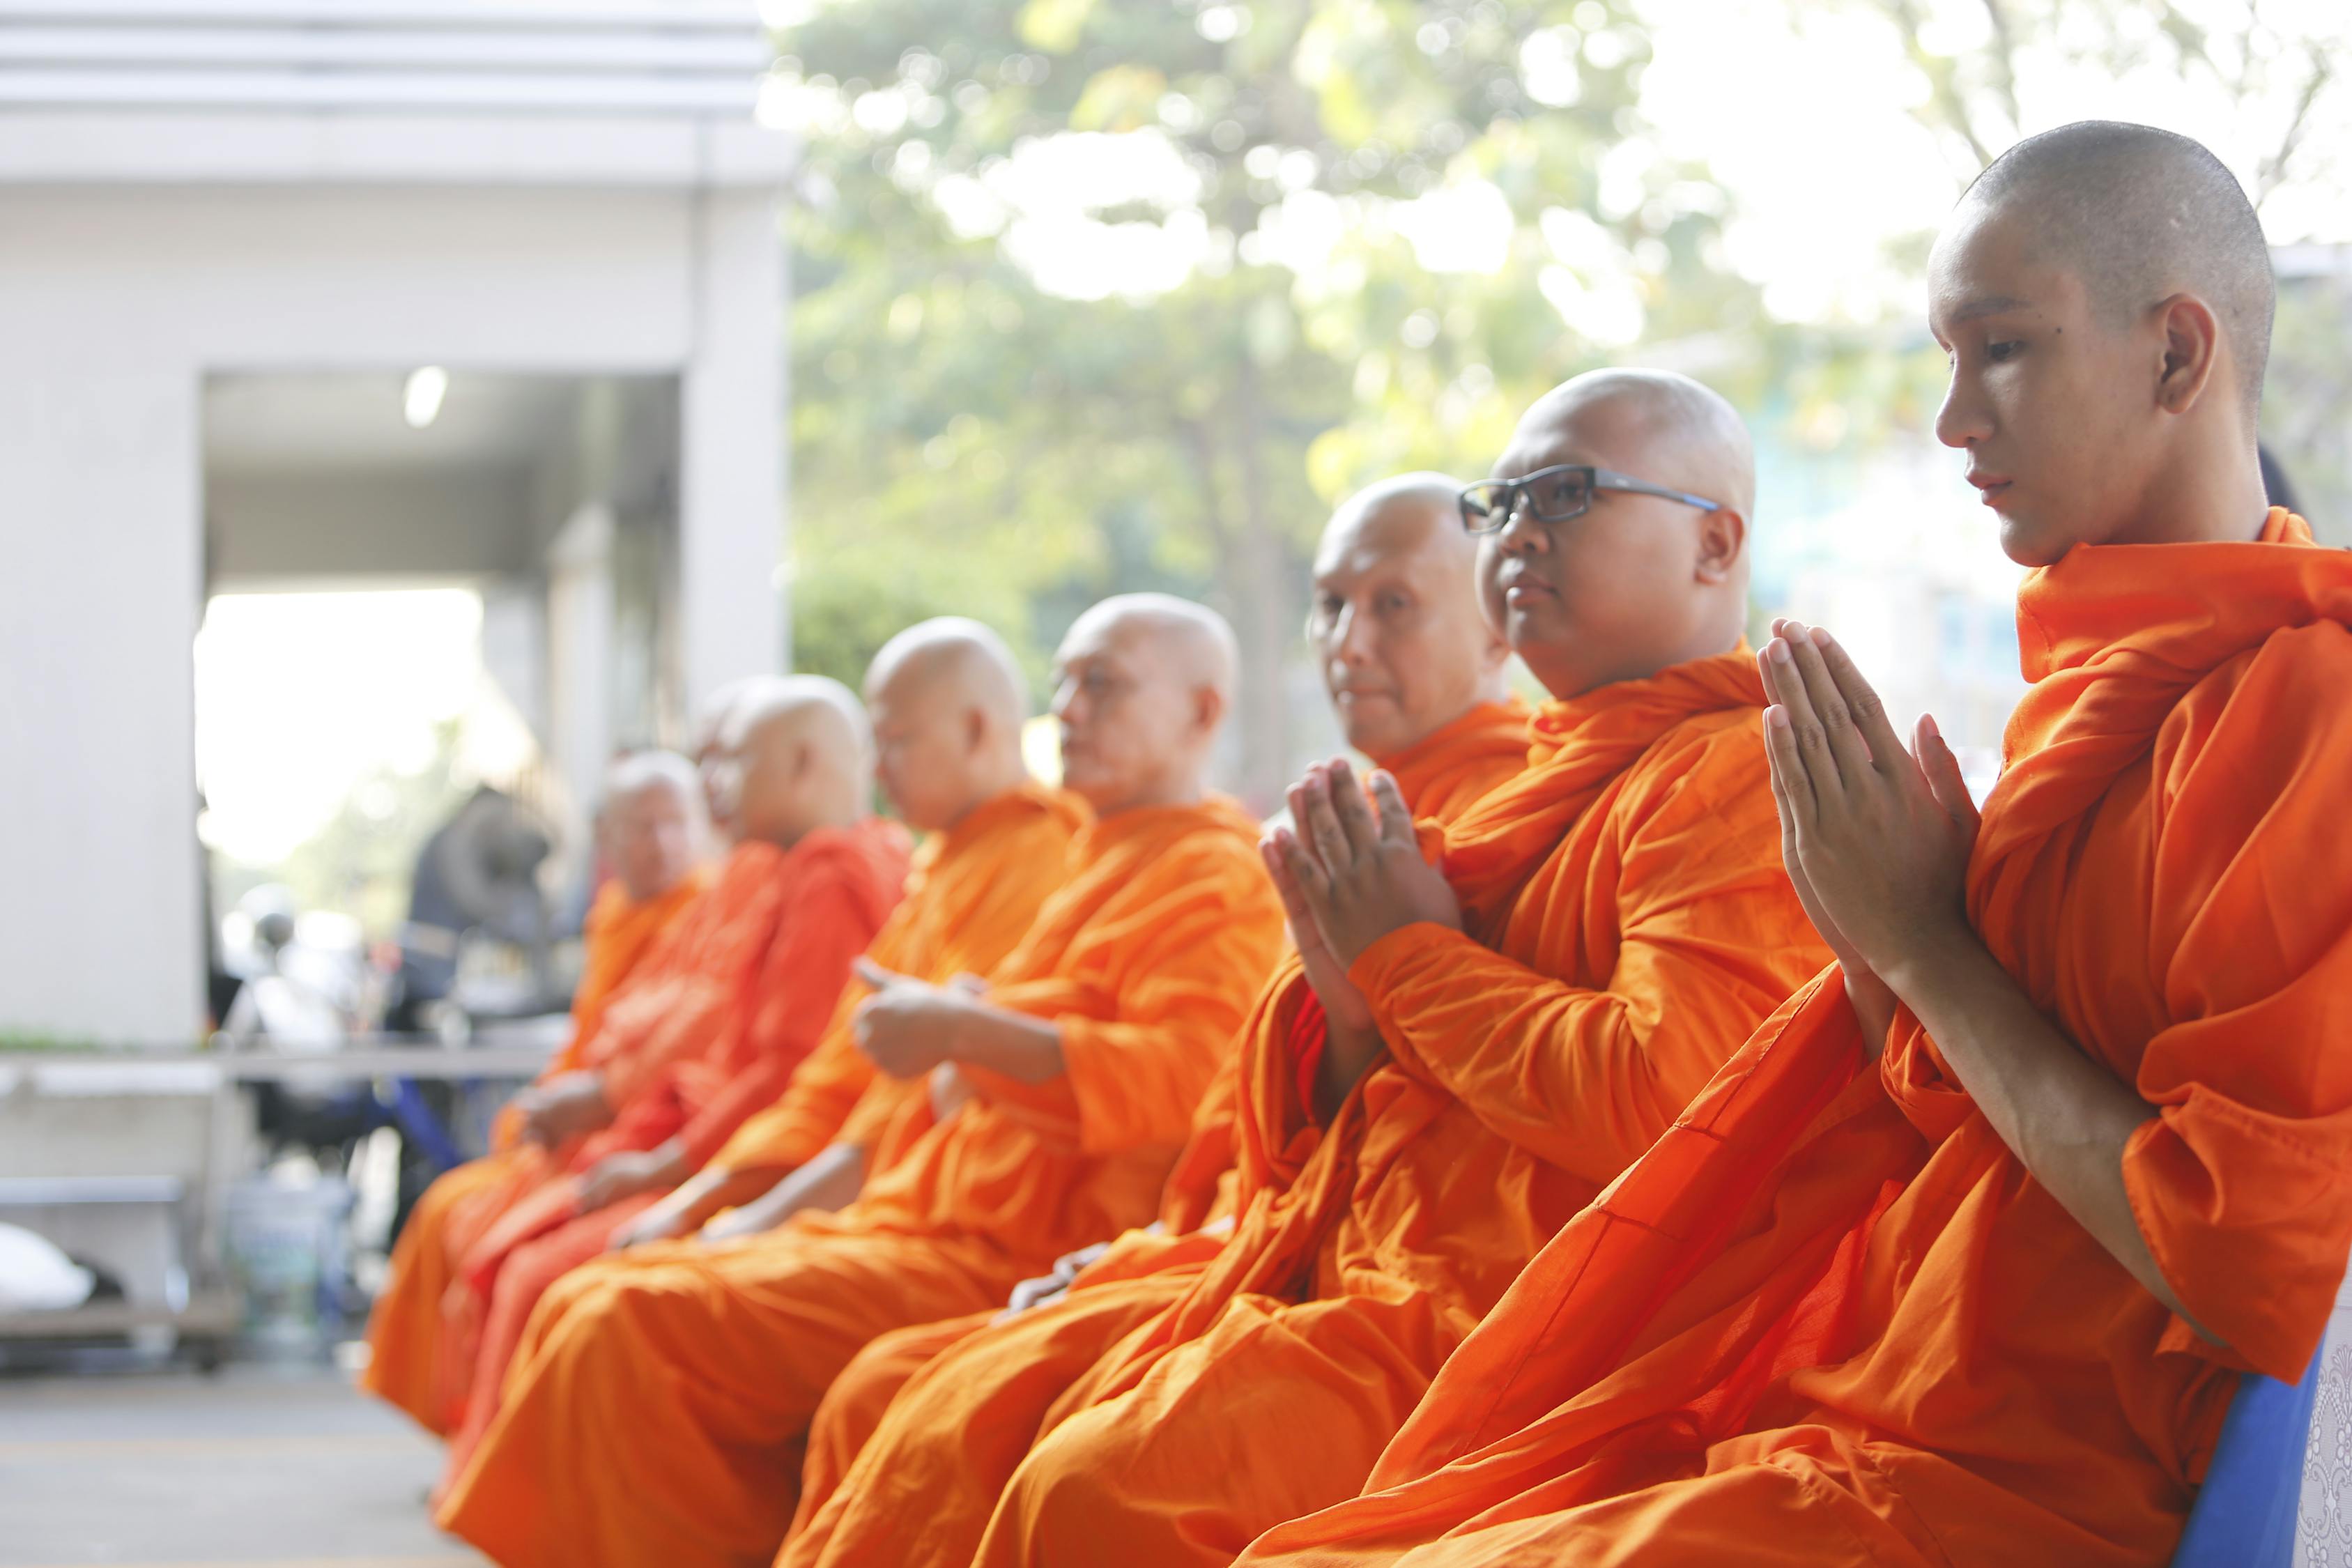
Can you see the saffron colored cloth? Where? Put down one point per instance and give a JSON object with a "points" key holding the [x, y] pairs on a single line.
{"points": [[653, 947], [1036, 1357], [839, 886], [1831, 1319], [976, 889], [658, 1407], [1627, 923]]}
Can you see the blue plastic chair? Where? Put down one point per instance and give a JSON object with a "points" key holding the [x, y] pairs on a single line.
{"points": [[2245, 1514]]}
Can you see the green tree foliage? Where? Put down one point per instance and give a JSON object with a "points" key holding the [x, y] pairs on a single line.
{"points": [[966, 441]]}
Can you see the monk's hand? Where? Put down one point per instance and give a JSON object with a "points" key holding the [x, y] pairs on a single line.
{"points": [[626, 1174], [1288, 864], [563, 1106], [679, 1212], [907, 1027], [1369, 878], [1876, 835], [951, 1090], [1045, 1290]]}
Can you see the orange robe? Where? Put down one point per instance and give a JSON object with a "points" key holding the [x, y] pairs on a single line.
{"points": [[1032, 1359], [836, 886], [621, 937], [1831, 1319], [1626, 923], [659, 1407]]}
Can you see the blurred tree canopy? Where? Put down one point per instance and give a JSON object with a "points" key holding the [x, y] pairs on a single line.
{"points": [[966, 441], [1394, 225]]}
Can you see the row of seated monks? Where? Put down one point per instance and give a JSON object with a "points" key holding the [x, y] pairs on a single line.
{"points": [[1672, 1124]]}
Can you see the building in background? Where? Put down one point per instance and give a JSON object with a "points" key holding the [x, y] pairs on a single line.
{"points": [[348, 293]]}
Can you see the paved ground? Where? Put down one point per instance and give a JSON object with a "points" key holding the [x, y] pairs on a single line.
{"points": [[257, 1466]]}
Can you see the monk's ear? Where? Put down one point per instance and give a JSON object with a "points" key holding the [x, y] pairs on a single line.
{"points": [[1722, 540], [2193, 343], [1208, 709]]}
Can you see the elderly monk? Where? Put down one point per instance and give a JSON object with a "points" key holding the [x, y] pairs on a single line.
{"points": [[798, 782], [659, 1411], [1492, 1021], [948, 703], [1415, 672], [1959, 1261], [646, 832]]}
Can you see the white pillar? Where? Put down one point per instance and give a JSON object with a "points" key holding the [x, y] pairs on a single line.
{"points": [[101, 588], [580, 666], [730, 490]]}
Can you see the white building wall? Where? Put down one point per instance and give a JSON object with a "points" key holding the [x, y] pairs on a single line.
{"points": [[114, 304]]}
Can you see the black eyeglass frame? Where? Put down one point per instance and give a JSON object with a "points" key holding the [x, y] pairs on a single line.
{"points": [[1596, 480]]}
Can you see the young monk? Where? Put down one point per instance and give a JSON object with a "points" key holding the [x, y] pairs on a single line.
{"points": [[800, 782], [658, 1411], [1958, 1260], [1414, 673], [1484, 1039], [647, 832], [948, 702]]}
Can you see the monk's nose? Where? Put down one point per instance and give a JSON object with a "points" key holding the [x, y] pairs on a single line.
{"points": [[1963, 416]]}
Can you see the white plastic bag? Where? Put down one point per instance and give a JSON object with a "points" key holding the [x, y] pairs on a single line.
{"points": [[35, 1277]]}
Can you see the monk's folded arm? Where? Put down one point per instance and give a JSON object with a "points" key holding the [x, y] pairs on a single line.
{"points": [[787, 1028], [815, 1109], [1135, 1067], [1587, 1079], [2065, 1116]]}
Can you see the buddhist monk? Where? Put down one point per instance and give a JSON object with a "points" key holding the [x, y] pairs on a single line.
{"points": [[1414, 673], [948, 702], [659, 1410], [799, 781], [1959, 1261], [647, 832], [1492, 1020]]}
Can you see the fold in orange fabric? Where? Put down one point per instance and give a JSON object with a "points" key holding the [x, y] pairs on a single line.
{"points": [[1831, 1319], [996, 1396], [619, 942], [1627, 923], [838, 886], [975, 891], [657, 1410]]}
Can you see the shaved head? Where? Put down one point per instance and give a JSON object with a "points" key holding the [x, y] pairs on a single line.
{"points": [[1192, 639], [803, 757], [708, 729], [651, 769], [2104, 295], [1637, 582], [1690, 437], [1404, 647], [948, 702], [649, 823], [2139, 214], [1142, 684]]}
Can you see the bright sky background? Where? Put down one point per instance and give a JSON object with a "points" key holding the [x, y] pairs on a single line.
{"points": [[302, 695]]}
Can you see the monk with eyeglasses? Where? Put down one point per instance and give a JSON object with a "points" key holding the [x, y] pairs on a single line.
{"points": [[1501, 1013]]}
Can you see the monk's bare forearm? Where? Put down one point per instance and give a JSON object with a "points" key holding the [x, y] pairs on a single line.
{"points": [[1022, 1048], [2064, 1114], [1347, 1055]]}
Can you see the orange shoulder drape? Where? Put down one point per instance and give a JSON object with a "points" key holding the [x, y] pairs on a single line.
{"points": [[1831, 1317]]}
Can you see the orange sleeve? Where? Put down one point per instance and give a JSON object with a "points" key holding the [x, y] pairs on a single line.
{"points": [[1190, 961], [2238, 1181], [815, 1109], [827, 920], [1710, 939]]}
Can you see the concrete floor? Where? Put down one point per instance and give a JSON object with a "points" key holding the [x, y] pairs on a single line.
{"points": [[264, 1467]]}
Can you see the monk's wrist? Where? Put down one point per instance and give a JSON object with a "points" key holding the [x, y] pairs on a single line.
{"points": [[1935, 969]]}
